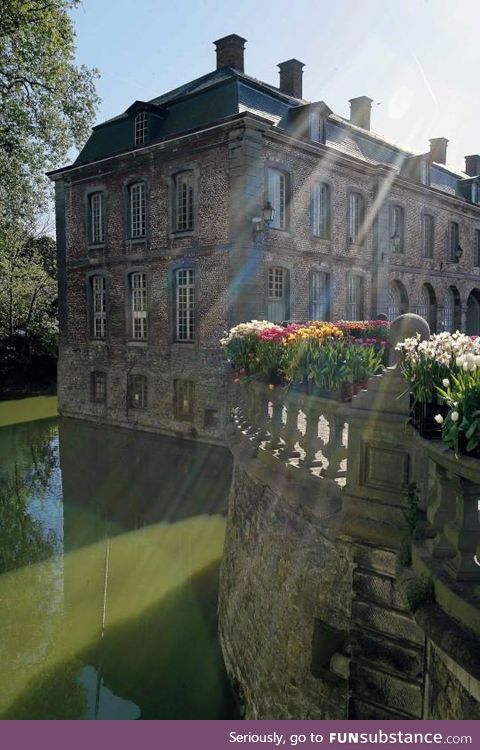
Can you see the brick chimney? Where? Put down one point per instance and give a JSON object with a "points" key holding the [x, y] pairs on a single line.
{"points": [[438, 150], [360, 109], [472, 165], [230, 52], [291, 74]]}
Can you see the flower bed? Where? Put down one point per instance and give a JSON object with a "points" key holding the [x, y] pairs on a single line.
{"points": [[443, 374], [321, 357]]}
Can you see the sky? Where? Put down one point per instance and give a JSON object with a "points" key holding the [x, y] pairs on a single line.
{"points": [[419, 60]]}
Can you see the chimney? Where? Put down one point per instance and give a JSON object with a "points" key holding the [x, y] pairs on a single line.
{"points": [[472, 165], [230, 52], [360, 108], [438, 150], [291, 74]]}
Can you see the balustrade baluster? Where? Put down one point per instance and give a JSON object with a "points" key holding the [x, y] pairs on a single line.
{"points": [[464, 531], [310, 441], [276, 424]]}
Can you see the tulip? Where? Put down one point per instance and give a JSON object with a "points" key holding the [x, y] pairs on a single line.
{"points": [[438, 419], [445, 383], [454, 416]]}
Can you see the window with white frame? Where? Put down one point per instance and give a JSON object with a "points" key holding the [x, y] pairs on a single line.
{"points": [[183, 208], [185, 304], [183, 399], [397, 229], [97, 218], [320, 295], [321, 210], [138, 213], [138, 293], [99, 306], [427, 235], [453, 242], [355, 218], [476, 249], [277, 196], [137, 391], [355, 297], [141, 128], [277, 295], [99, 387]]}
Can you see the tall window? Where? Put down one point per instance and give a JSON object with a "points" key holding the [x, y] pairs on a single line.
{"points": [[138, 290], [320, 296], [277, 195], [397, 229], [183, 399], [141, 128], [449, 311], [476, 249], [424, 173], [137, 391], [183, 205], [427, 236], [138, 214], [321, 210], [355, 297], [185, 304], [396, 304], [277, 296], [355, 217], [423, 303], [99, 306], [453, 242], [99, 387], [97, 218]]}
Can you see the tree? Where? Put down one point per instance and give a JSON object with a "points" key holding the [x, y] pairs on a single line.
{"points": [[47, 105]]}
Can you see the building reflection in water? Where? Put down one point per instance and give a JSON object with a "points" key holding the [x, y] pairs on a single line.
{"points": [[119, 619]]}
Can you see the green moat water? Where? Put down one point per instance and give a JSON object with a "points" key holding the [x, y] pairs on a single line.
{"points": [[110, 543]]}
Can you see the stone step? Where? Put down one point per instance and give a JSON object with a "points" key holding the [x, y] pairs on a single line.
{"points": [[379, 651], [377, 588], [380, 560], [386, 621], [386, 690]]}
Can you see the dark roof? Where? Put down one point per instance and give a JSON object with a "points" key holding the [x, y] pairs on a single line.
{"points": [[226, 92]]}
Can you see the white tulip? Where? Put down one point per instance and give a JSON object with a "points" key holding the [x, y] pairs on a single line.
{"points": [[445, 383], [438, 419], [454, 416]]}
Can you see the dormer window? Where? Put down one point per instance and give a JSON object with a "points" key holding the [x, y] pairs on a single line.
{"points": [[424, 173], [317, 128], [141, 128], [475, 193]]}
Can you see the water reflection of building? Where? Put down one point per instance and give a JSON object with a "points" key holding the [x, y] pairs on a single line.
{"points": [[143, 535], [160, 230]]}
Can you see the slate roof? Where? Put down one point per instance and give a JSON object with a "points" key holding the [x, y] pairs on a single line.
{"points": [[227, 92]]}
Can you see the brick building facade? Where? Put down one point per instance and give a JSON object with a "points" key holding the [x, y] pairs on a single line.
{"points": [[163, 245]]}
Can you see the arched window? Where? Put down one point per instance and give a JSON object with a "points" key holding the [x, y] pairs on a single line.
{"points": [[449, 311], [277, 295], [427, 306], [321, 210], [141, 128], [183, 201], [397, 300]]}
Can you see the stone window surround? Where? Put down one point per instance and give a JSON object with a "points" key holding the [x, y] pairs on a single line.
{"points": [[280, 166], [179, 415], [361, 273], [288, 286], [91, 190], [171, 184], [130, 376], [423, 213], [93, 376], [326, 269]]}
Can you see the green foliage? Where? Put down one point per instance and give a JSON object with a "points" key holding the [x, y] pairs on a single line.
{"points": [[420, 592], [47, 105], [461, 428]]}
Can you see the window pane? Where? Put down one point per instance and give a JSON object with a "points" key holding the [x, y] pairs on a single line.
{"points": [[185, 304], [355, 217], [355, 289], [427, 236], [320, 296], [137, 210], [97, 232], [137, 387], [99, 306], [321, 210], [277, 295], [139, 305], [276, 188], [184, 201]]}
